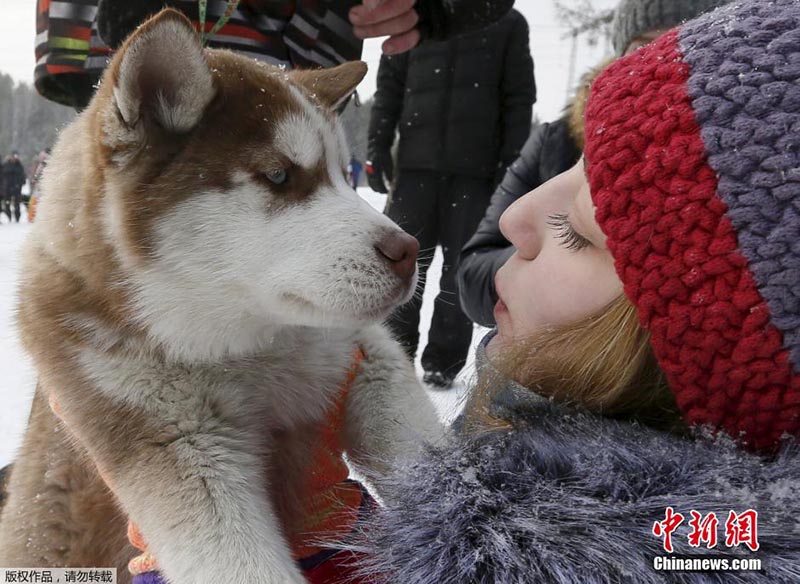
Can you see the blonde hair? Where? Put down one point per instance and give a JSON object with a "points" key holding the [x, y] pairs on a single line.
{"points": [[603, 362]]}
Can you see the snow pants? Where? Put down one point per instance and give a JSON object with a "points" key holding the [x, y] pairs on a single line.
{"points": [[437, 209], [11, 205]]}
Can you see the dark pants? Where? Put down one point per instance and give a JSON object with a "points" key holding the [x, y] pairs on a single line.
{"points": [[355, 175], [445, 210], [11, 202]]}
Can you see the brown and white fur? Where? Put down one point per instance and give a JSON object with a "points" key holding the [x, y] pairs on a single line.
{"points": [[194, 321]]}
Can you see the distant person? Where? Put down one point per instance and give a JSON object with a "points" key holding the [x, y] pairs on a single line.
{"points": [[354, 169], [13, 180], [552, 149], [463, 110]]}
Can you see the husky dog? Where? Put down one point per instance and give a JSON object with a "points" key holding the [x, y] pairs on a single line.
{"points": [[200, 276]]}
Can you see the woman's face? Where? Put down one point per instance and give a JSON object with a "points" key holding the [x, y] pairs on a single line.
{"points": [[562, 271]]}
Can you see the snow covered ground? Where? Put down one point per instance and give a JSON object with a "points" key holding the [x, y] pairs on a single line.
{"points": [[17, 378]]}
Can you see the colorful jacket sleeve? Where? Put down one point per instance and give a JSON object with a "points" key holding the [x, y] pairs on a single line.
{"points": [[75, 38], [291, 33], [70, 57]]}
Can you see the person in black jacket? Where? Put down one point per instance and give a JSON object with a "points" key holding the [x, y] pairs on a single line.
{"points": [[13, 180], [463, 110], [552, 149]]}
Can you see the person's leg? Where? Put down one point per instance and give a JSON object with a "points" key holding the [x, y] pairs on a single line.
{"points": [[412, 205], [5, 206], [460, 210], [17, 200]]}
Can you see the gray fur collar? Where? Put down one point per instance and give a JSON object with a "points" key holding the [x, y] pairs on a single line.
{"points": [[571, 497]]}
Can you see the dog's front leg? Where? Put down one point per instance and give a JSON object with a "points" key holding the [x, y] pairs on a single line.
{"points": [[205, 513], [389, 415], [191, 478]]}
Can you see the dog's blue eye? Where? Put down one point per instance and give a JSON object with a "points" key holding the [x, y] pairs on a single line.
{"points": [[277, 176]]}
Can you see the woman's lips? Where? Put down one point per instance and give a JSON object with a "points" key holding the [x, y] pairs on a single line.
{"points": [[500, 308]]}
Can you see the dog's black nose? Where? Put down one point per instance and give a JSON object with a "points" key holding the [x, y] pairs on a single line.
{"points": [[400, 251]]}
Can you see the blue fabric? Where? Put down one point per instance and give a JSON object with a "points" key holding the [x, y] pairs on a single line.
{"points": [[149, 578]]}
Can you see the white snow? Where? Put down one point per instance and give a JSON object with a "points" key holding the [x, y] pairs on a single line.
{"points": [[17, 377]]}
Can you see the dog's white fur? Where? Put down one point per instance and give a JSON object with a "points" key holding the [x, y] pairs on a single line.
{"points": [[238, 317]]}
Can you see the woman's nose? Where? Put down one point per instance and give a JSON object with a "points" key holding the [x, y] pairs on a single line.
{"points": [[521, 225]]}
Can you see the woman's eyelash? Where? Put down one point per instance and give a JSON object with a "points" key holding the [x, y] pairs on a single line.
{"points": [[568, 237]]}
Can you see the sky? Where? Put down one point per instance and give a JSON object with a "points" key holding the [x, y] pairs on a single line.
{"points": [[551, 52]]}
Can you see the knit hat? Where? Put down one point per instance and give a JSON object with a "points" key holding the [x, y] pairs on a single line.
{"points": [[693, 158], [633, 18]]}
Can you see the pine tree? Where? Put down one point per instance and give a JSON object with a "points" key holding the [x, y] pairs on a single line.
{"points": [[28, 122]]}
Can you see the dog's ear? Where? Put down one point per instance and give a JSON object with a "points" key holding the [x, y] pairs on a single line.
{"points": [[331, 86], [161, 73]]}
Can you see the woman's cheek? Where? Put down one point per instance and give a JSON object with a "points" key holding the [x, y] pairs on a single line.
{"points": [[528, 296], [586, 284], [559, 292]]}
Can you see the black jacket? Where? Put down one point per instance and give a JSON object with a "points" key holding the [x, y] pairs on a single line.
{"points": [[13, 177], [444, 19], [570, 497], [462, 106]]}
